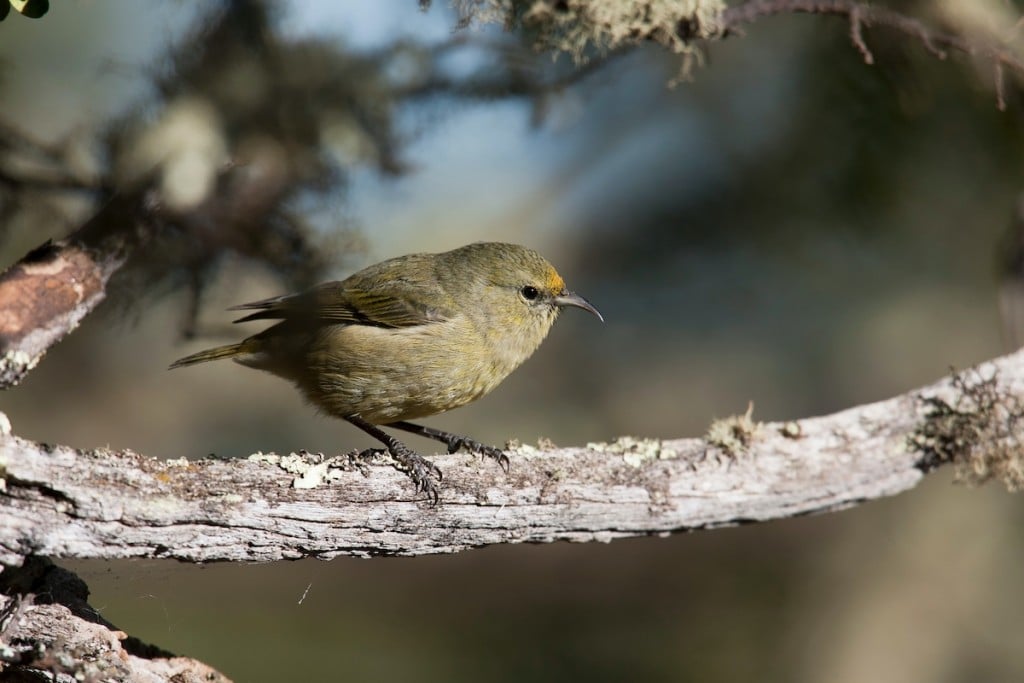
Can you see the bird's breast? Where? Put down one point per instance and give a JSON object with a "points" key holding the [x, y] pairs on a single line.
{"points": [[385, 375]]}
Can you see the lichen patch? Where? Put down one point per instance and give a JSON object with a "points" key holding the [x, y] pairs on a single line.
{"points": [[978, 431], [733, 435], [634, 451]]}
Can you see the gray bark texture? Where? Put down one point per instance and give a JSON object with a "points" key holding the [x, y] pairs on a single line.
{"points": [[62, 502]]}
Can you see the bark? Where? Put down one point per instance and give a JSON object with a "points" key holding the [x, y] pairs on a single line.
{"points": [[46, 294], [47, 627], [991, 49], [62, 502]]}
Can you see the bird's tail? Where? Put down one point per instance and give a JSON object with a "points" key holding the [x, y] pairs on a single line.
{"points": [[217, 353]]}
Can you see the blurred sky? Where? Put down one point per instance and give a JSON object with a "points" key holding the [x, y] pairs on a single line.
{"points": [[465, 150], [83, 81]]}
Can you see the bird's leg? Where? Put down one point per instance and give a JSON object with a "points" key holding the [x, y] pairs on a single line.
{"points": [[455, 442], [420, 470]]}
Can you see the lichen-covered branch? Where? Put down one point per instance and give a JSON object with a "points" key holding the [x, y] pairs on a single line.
{"points": [[586, 27], [863, 14], [111, 504], [991, 49], [48, 631], [56, 501]]}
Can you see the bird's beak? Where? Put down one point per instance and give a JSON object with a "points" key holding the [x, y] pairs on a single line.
{"points": [[574, 299]]}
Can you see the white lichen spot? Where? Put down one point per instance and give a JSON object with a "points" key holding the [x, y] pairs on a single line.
{"points": [[523, 450], [313, 477], [5, 425], [310, 469], [635, 452], [18, 362], [791, 430], [269, 458], [177, 462], [296, 463]]}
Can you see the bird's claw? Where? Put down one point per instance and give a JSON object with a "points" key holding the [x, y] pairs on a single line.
{"points": [[457, 443], [424, 483], [425, 475]]}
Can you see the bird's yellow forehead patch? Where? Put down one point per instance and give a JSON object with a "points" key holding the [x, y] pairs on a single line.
{"points": [[553, 281]]}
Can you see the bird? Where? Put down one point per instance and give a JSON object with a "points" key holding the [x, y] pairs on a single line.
{"points": [[407, 338]]}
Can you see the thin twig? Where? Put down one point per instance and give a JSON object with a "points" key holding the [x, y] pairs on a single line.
{"points": [[1000, 82], [857, 36], [863, 14]]}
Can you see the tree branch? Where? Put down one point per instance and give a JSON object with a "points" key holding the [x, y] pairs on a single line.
{"points": [[861, 14], [49, 632], [51, 289], [105, 504]]}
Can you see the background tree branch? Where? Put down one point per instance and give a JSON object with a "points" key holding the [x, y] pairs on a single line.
{"points": [[46, 295], [994, 50]]}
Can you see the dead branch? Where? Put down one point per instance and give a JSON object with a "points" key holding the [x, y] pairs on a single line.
{"points": [[47, 293], [62, 502], [49, 632], [862, 14], [103, 504]]}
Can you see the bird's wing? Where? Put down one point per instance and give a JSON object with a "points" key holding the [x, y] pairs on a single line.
{"points": [[392, 303]]}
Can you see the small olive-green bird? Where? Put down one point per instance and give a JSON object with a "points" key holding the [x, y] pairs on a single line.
{"points": [[409, 337]]}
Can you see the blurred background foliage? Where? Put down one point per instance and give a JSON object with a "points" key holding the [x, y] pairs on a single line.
{"points": [[33, 9], [792, 227]]}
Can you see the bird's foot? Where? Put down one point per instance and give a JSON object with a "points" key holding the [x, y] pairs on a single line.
{"points": [[425, 475], [456, 442]]}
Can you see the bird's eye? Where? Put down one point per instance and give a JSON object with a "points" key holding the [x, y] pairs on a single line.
{"points": [[529, 292]]}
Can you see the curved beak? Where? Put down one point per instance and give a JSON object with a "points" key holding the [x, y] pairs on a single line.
{"points": [[574, 299]]}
